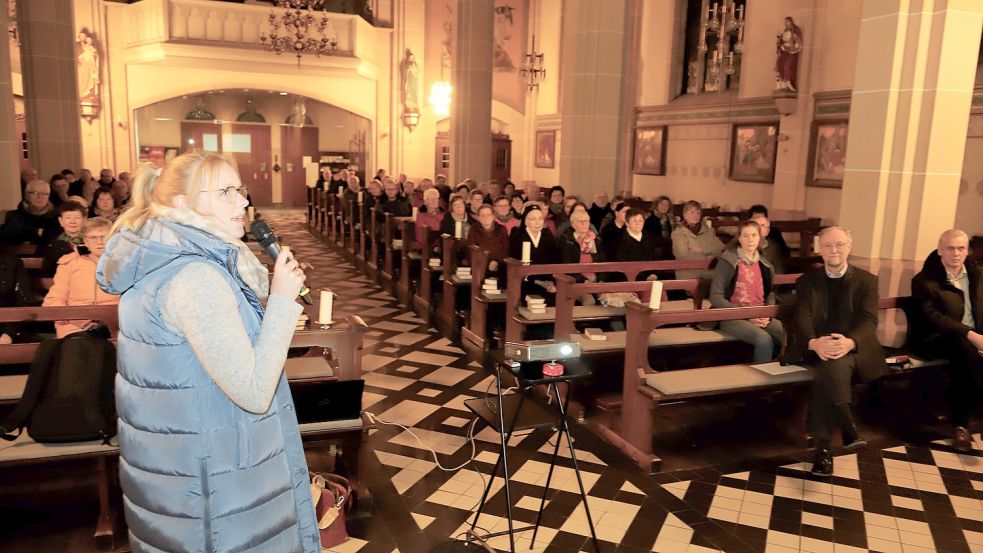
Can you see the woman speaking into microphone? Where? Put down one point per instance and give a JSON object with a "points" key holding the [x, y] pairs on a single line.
{"points": [[210, 451]]}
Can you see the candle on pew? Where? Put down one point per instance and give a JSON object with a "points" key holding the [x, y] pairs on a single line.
{"points": [[359, 196], [252, 213], [325, 307], [655, 300], [526, 252], [815, 244], [416, 211], [341, 192], [709, 223], [458, 229]]}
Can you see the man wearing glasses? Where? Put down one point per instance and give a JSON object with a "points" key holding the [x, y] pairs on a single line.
{"points": [[34, 217], [834, 331]]}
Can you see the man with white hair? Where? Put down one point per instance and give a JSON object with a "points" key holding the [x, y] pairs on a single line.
{"points": [[834, 331], [949, 290]]}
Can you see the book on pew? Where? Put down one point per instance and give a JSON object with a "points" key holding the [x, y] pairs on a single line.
{"points": [[776, 369], [595, 334]]}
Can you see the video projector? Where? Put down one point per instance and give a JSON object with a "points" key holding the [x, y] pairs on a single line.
{"points": [[541, 350]]}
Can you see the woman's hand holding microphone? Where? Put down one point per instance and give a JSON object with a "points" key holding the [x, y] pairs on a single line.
{"points": [[288, 278]]}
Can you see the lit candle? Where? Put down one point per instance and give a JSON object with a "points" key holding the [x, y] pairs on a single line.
{"points": [[252, 213], [526, 252], [341, 192], [324, 309], [359, 196], [655, 300], [815, 244], [740, 12], [458, 229], [713, 12], [416, 211], [709, 223]]}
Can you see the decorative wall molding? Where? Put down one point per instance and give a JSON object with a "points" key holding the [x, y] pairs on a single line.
{"points": [[549, 122], [708, 109]]}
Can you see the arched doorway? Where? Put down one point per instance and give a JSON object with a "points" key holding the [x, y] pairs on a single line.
{"points": [[278, 140]]}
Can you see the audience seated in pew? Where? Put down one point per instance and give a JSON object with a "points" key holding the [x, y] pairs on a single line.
{"points": [[457, 214], [772, 251], [394, 201], [661, 222], [834, 331], [572, 205], [75, 279], [743, 277], [554, 204], [351, 193], [104, 204], [489, 236], [476, 198], [429, 217], [373, 196], [542, 249], [34, 219], [693, 239], [949, 290], [580, 244], [71, 218], [635, 245], [614, 229], [774, 235]]}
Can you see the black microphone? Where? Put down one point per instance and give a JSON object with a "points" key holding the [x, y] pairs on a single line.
{"points": [[264, 235]]}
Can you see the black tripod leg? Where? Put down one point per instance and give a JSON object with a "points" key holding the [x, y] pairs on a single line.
{"points": [[549, 475]]}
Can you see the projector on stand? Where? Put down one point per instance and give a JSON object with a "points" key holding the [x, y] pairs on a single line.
{"points": [[541, 350]]}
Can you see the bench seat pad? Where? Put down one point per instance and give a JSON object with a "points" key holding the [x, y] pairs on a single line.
{"points": [[326, 426], [598, 311], [676, 336], [25, 448], [12, 387], [301, 368], [714, 379]]}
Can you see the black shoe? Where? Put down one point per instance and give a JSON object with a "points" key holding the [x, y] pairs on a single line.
{"points": [[962, 440], [822, 464], [852, 439]]}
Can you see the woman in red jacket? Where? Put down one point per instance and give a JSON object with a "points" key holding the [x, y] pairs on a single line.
{"points": [[489, 236]]}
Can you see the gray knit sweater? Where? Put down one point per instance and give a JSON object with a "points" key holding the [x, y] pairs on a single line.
{"points": [[198, 304]]}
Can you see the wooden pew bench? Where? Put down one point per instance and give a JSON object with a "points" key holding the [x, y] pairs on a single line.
{"points": [[475, 332], [424, 298], [410, 260], [644, 389], [392, 246]]}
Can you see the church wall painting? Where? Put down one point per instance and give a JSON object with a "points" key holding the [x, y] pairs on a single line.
{"points": [[650, 151], [827, 156], [753, 149]]}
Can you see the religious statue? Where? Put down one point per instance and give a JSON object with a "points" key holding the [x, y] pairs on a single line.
{"points": [[251, 115], [87, 62], [501, 60], [789, 45], [410, 73], [200, 113]]}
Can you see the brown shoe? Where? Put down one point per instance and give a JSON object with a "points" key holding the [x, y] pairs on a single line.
{"points": [[961, 439]]}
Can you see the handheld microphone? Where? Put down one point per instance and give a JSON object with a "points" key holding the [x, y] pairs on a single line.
{"points": [[264, 235]]}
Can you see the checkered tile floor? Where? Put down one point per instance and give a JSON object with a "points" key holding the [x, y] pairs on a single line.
{"points": [[896, 498]]}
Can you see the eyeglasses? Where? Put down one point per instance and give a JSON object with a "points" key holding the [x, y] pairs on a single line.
{"points": [[835, 245], [229, 194], [37, 194], [95, 237]]}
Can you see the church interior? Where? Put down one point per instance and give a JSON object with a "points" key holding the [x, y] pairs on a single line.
{"points": [[631, 275]]}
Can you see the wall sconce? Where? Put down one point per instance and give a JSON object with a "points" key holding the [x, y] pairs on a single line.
{"points": [[440, 98], [411, 118]]}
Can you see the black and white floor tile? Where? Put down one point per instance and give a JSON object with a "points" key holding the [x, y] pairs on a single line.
{"points": [[903, 498]]}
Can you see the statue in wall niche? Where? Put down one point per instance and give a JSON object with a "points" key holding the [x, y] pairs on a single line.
{"points": [[298, 114], [789, 45], [410, 73], [251, 115], [200, 113], [87, 64]]}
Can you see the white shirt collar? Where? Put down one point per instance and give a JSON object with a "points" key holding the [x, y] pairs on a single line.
{"points": [[957, 276], [633, 235], [534, 238], [837, 275]]}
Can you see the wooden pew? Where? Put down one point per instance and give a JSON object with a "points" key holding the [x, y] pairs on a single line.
{"points": [[373, 243], [392, 242], [475, 333], [452, 250], [423, 298], [516, 272], [336, 221], [311, 210], [410, 259]]}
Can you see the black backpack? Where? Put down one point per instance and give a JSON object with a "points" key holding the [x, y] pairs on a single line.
{"points": [[69, 393]]}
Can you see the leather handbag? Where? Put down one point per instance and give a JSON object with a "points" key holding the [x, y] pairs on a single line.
{"points": [[330, 494]]}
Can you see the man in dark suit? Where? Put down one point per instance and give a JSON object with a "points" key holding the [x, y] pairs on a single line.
{"points": [[949, 290], [834, 331]]}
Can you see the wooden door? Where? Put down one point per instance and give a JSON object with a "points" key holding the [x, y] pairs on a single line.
{"points": [[203, 135], [501, 158], [295, 143], [247, 144]]}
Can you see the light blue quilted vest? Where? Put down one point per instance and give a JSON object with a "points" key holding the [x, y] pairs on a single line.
{"points": [[198, 473]]}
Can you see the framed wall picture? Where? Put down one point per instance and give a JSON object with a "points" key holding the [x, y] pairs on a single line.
{"points": [[827, 154], [753, 149], [650, 151], [546, 149]]}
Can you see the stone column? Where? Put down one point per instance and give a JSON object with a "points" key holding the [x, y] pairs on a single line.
{"points": [[10, 149], [50, 85], [471, 149], [594, 49], [908, 120]]}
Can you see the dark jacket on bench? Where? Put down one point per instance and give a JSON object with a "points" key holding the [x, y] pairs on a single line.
{"points": [[859, 297], [942, 305]]}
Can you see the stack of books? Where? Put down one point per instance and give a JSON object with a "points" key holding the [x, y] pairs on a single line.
{"points": [[463, 273], [434, 262], [536, 304], [595, 334], [490, 287], [302, 322], [397, 243]]}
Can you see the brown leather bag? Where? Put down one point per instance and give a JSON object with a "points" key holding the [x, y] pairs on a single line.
{"points": [[331, 495]]}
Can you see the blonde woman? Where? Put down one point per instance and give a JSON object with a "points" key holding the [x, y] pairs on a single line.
{"points": [[210, 452]]}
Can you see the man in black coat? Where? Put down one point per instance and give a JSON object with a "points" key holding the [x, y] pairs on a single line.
{"points": [[949, 290], [834, 331]]}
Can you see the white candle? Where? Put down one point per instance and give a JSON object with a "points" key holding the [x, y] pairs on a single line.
{"points": [[324, 309], [252, 213], [416, 211], [341, 192], [526, 252], [359, 196], [815, 244], [655, 301], [458, 229], [709, 223]]}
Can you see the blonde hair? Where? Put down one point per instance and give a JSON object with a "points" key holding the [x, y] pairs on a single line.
{"points": [[430, 193], [96, 223], [186, 175]]}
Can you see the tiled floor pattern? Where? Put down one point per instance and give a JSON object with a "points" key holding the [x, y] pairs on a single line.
{"points": [[899, 498]]}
